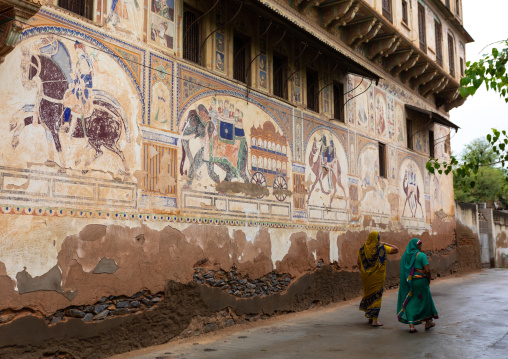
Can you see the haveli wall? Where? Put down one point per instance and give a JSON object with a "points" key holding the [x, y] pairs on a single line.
{"points": [[142, 194]]}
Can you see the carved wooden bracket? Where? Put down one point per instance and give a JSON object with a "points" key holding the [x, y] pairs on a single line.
{"points": [[431, 86], [380, 45], [359, 29], [308, 3], [397, 59], [15, 14], [412, 60], [424, 78], [414, 71], [332, 15], [373, 32], [349, 15], [442, 86], [459, 101]]}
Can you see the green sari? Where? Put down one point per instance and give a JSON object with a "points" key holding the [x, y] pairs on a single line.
{"points": [[415, 304]]}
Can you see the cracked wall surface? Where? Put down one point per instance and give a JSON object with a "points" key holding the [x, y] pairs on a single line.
{"points": [[135, 202]]}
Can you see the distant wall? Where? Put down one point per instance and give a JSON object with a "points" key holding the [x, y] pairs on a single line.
{"points": [[501, 238], [469, 245]]}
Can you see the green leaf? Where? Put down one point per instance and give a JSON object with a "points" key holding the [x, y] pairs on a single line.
{"points": [[463, 92]]}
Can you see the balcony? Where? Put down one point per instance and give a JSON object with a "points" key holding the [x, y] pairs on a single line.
{"points": [[361, 25]]}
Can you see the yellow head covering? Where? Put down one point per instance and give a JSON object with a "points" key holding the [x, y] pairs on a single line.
{"points": [[370, 246]]}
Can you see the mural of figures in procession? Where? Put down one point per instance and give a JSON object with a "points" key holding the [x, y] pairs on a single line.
{"points": [[326, 170], [66, 109], [126, 16], [412, 196], [226, 139], [373, 190]]}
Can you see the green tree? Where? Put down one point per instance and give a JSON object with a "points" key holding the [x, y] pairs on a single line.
{"points": [[490, 71], [490, 180]]}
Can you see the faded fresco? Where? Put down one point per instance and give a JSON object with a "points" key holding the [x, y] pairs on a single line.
{"points": [[125, 17], [326, 170], [71, 116], [228, 140], [373, 190], [162, 22], [411, 202]]}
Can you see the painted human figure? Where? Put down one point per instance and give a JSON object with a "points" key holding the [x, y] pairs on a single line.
{"points": [[79, 98]]}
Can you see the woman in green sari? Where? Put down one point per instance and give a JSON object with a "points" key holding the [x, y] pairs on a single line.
{"points": [[372, 264], [415, 304]]}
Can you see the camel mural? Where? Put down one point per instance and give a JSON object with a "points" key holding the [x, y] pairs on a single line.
{"points": [[412, 186], [325, 166]]}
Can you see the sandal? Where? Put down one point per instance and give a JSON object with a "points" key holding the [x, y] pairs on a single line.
{"points": [[430, 325], [377, 324], [412, 330]]}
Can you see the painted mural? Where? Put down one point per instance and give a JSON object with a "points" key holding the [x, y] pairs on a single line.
{"points": [[162, 22], [70, 110], [411, 182], [326, 170], [227, 139], [373, 190], [125, 17]]}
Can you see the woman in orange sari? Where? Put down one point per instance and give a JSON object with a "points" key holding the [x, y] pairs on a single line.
{"points": [[372, 264]]}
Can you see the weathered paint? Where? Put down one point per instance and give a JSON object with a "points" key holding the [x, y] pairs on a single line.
{"points": [[123, 168]]}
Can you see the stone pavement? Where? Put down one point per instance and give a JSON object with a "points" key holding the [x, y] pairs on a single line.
{"points": [[473, 321]]}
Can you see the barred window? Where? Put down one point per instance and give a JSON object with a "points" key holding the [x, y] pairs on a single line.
{"points": [[312, 90], [191, 43], [387, 9], [81, 7], [421, 27], [382, 160], [439, 43], [338, 101], [405, 13], [279, 76], [451, 55], [241, 58]]}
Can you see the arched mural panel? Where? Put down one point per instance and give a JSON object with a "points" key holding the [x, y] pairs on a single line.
{"points": [[373, 190], [411, 188], [67, 115], [218, 149], [326, 170]]}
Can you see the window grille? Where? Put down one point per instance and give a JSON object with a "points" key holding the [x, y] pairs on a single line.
{"points": [[405, 16], [81, 7], [462, 67], [409, 133], [421, 27], [431, 144], [439, 43], [279, 76], [387, 9], [241, 54], [312, 91], [451, 55], [191, 43], [338, 101], [382, 160], [447, 2]]}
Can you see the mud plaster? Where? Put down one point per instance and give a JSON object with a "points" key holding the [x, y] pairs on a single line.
{"points": [[50, 281], [106, 265]]}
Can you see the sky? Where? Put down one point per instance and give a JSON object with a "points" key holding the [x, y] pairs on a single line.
{"points": [[486, 21]]}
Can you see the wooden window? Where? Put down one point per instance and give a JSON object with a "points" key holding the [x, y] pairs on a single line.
{"points": [[447, 3], [279, 76], [462, 67], [312, 90], [382, 160], [457, 7], [241, 58], [439, 43], [409, 134], [451, 55], [405, 13], [191, 40], [81, 7], [422, 27], [387, 9], [338, 101], [431, 144]]}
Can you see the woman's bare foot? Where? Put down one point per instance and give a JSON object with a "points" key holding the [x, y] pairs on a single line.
{"points": [[375, 323], [412, 329]]}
